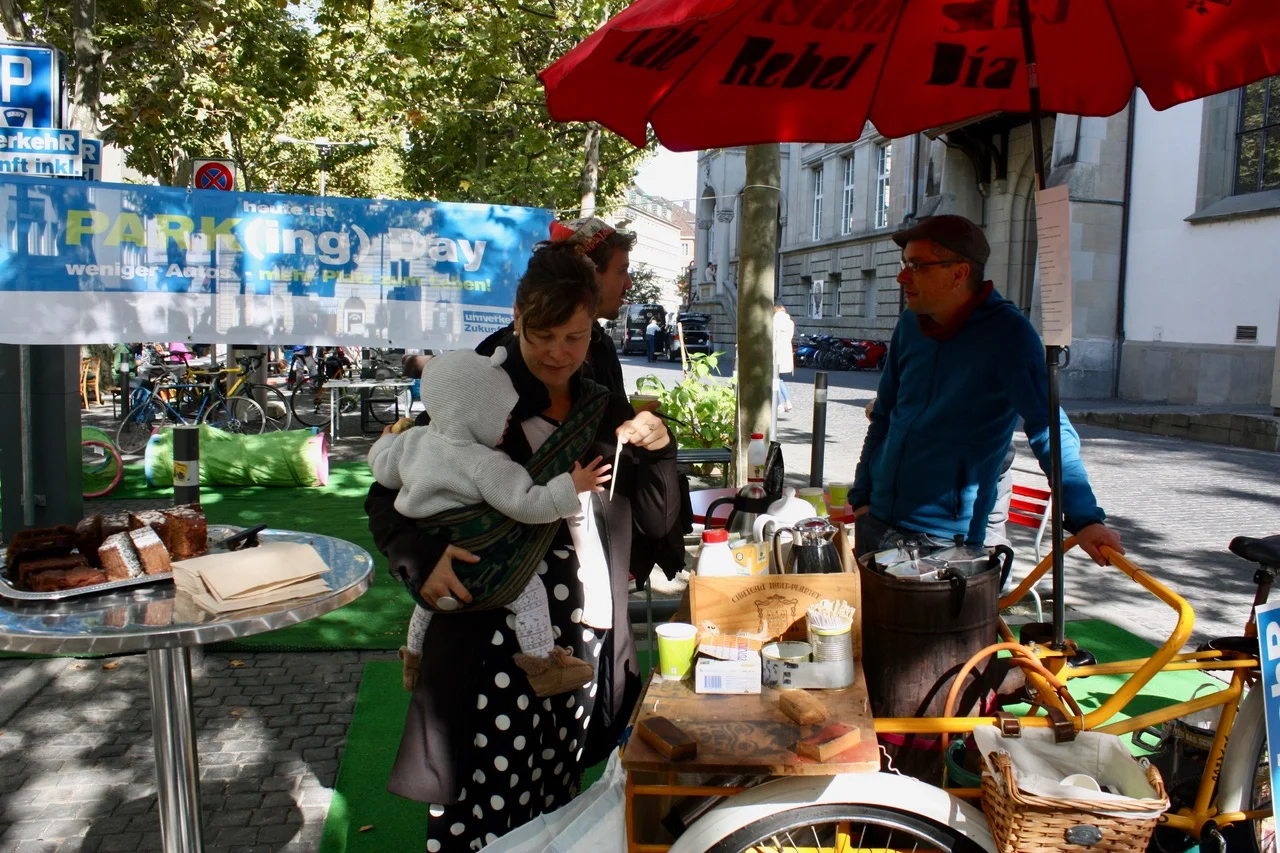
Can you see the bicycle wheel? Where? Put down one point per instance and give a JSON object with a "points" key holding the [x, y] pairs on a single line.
{"points": [[310, 404], [1256, 836], [136, 428], [844, 827], [387, 403], [102, 468], [274, 406], [239, 415]]}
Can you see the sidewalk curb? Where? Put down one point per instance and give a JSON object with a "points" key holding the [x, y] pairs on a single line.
{"points": [[30, 680]]}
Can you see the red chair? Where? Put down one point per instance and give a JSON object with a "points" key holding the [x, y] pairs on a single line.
{"points": [[1030, 508]]}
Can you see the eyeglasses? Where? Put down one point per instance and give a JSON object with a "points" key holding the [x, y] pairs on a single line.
{"points": [[916, 266]]}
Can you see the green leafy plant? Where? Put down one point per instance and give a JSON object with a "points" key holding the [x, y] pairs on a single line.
{"points": [[702, 411]]}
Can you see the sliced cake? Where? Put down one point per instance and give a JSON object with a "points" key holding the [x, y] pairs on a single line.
{"points": [[119, 558], [151, 551], [188, 532]]}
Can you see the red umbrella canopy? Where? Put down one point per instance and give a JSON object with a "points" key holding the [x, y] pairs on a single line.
{"points": [[713, 73]]}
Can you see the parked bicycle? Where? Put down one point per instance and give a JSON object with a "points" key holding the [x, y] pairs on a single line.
{"points": [[158, 403], [313, 402]]}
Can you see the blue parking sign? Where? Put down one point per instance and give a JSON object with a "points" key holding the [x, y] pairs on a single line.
{"points": [[1269, 657], [91, 157], [30, 86]]}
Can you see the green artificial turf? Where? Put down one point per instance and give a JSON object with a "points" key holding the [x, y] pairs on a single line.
{"points": [[363, 817]]}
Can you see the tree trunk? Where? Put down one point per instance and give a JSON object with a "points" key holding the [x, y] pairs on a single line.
{"points": [[590, 180], [15, 23], [757, 259], [86, 92]]}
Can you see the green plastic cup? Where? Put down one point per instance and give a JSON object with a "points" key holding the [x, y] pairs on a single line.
{"points": [[677, 642], [838, 495]]}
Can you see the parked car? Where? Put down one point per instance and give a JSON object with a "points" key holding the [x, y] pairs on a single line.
{"points": [[628, 330], [696, 338]]}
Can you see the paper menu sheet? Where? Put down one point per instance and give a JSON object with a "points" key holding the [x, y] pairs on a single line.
{"points": [[252, 577], [1053, 233]]}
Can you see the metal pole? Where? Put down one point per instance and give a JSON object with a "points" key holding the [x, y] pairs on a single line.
{"points": [[819, 427], [173, 733], [324, 153], [186, 464], [24, 429]]}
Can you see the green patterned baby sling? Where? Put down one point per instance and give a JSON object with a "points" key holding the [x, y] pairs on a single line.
{"points": [[510, 552]]}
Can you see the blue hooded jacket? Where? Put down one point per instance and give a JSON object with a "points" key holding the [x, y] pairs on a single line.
{"points": [[944, 416]]}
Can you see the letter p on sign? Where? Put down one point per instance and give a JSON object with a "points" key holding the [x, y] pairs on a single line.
{"points": [[1273, 653], [15, 72]]}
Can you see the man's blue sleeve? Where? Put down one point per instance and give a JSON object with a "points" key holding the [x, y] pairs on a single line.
{"points": [[1027, 383], [886, 399]]}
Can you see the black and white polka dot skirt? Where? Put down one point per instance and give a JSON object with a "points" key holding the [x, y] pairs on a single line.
{"points": [[526, 753]]}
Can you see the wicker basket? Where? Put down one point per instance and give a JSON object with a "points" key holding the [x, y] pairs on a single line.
{"points": [[1025, 823]]}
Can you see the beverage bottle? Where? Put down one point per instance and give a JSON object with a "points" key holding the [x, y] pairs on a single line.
{"points": [[757, 452], [715, 558]]}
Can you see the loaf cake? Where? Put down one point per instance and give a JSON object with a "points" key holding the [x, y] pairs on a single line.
{"points": [[119, 558], [40, 542], [89, 537], [188, 532], [151, 551], [114, 522], [153, 518], [70, 571]]}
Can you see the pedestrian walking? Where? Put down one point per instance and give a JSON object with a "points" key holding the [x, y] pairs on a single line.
{"points": [[651, 337], [784, 329]]}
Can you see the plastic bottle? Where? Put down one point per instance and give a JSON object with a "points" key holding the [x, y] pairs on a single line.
{"points": [[715, 559], [757, 453]]}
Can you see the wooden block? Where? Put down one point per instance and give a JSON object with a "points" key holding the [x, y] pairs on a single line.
{"points": [[829, 742], [667, 738], [805, 708]]}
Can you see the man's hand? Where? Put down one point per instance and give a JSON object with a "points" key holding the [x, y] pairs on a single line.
{"points": [[862, 510], [1093, 537], [442, 581]]}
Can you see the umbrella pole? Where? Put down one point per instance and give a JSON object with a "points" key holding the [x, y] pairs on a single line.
{"points": [[1052, 354]]}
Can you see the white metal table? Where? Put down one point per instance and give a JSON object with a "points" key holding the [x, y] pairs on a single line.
{"points": [[156, 620], [337, 385]]}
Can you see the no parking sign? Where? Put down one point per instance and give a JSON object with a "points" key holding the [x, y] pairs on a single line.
{"points": [[213, 175]]}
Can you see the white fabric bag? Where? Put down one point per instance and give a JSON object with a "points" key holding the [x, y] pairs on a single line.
{"points": [[594, 821], [1040, 765]]}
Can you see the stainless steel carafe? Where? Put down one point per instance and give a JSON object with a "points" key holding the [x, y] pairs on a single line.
{"points": [[813, 548]]}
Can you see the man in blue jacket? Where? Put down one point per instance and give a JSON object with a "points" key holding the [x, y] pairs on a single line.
{"points": [[964, 365]]}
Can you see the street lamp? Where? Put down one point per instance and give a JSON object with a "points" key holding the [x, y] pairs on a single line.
{"points": [[323, 146]]}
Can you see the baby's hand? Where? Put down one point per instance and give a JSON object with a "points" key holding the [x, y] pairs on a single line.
{"points": [[591, 478]]}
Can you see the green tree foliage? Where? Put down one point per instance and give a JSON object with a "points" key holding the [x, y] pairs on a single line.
{"points": [[446, 92], [645, 285], [179, 79], [477, 126]]}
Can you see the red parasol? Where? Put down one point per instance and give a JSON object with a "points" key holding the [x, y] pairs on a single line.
{"points": [[714, 73], [719, 73]]}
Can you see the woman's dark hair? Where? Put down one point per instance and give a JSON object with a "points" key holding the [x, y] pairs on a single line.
{"points": [[557, 282]]}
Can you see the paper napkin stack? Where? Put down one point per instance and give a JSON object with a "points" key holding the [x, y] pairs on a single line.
{"points": [[252, 577]]}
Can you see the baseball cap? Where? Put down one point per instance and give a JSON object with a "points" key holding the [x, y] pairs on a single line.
{"points": [[956, 233]]}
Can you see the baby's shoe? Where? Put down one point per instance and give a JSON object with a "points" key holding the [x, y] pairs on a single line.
{"points": [[558, 672], [412, 663]]}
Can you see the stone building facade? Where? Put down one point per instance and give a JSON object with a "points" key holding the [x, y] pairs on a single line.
{"points": [[837, 265]]}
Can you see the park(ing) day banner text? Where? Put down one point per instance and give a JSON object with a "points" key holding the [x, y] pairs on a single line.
{"points": [[104, 263]]}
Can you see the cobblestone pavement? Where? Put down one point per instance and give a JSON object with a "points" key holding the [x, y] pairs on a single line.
{"points": [[76, 767]]}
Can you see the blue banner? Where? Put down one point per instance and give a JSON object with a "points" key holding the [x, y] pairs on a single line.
{"points": [[85, 262], [1268, 616]]}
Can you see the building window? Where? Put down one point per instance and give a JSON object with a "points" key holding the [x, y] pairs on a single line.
{"points": [[846, 199], [817, 203], [815, 299], [1258, 137], [883, 165], [838, 293]]}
